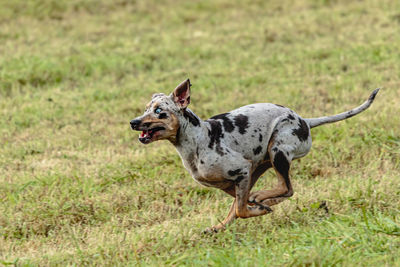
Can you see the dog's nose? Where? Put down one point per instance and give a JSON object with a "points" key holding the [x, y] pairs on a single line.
{"points": [[135, 123]]}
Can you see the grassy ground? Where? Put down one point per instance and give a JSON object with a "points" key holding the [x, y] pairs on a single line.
{"points": [[76, 187]]}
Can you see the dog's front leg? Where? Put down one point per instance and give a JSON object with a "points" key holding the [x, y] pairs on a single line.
{"points": [[230, 218], [232, 212]]}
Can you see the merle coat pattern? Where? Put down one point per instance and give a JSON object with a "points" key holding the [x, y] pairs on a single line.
{"points": [[231, 151]]}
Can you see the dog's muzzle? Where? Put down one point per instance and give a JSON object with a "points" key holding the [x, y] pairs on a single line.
{"points": [[135, 123], [147, 133]]}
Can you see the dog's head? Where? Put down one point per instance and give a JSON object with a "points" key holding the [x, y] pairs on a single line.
{"points": [[160, 119]]}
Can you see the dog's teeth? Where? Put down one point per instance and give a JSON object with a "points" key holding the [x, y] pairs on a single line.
{"points": [[144, 134]]}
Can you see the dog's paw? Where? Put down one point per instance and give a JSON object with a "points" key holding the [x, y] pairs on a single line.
{"points": [[264, 207], [260, 207]]}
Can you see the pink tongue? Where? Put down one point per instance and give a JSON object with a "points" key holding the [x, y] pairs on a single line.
{"points": [[144, 134]]}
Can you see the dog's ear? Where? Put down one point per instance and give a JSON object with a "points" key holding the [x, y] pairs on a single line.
{"points": [[181, 94]]}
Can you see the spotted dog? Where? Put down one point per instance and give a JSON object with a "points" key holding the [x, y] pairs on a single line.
{"points": [[230, 151]]}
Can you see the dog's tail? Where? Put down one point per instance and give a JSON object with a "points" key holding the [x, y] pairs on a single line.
{"points": [[314, 122]]}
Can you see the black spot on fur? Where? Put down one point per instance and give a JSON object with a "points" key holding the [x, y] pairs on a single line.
{"points": [[372, 96], [302, 131], [239, 179], [219, 150], [197, 151], [228, 125], [157, 95], [191, 117], [260, 138], [281, 164], [262, 207], [201, 161], [235, 172], [257, 150], [290, 117], [215, 135], [177, 136], [242, 122], [350, 114], [275, 149], [162, 116], [236, 142]]}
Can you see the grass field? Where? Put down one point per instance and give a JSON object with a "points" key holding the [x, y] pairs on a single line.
{"points": [[77, 188]]}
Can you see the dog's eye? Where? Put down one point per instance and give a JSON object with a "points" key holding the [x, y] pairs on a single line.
{"points": [[157, 110]]}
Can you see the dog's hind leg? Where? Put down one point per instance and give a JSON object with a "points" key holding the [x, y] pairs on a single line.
{"points": [[284, 189], [291, 141], [258, 172], [281, 157]]}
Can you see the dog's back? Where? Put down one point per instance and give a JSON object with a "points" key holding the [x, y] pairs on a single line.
{"points": [[248, 129]]}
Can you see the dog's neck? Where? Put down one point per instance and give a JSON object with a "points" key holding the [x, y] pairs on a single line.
{"points": [[191, 135]]}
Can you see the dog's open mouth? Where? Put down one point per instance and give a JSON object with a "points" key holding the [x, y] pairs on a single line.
{"points": [[146, 136]]}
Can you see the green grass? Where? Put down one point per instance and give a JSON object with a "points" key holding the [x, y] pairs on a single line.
{"points": [[76, 187]]}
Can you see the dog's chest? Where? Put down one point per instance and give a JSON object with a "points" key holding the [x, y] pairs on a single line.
{"points": [[203, 169]]}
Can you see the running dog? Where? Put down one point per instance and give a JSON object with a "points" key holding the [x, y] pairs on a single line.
{"points": [[230, 151]]}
